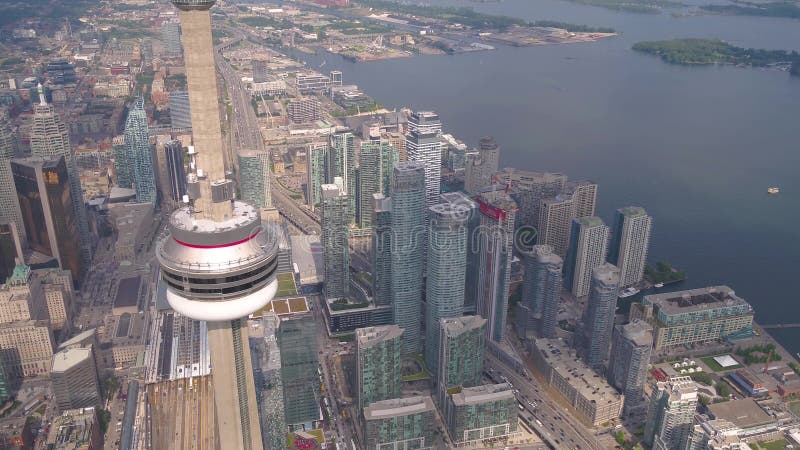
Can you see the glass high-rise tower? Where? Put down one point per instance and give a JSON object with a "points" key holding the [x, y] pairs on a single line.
{"points": [[598, 319], [336, 251], [140, 153], [631, 345], [541, 290], [408, 251], [9, 205], [587, 250], [376, 164], [378, 360], [254, 182], [381, 249], [631, 239], [424, 145]]}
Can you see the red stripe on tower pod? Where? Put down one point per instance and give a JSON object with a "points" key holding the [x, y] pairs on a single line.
{"points": [[229, 244]]}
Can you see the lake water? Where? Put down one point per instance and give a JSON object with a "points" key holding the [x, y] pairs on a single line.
{"points": [[696, 146]]}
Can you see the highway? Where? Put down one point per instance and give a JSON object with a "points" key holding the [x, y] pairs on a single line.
{"points": [[558, 427]]}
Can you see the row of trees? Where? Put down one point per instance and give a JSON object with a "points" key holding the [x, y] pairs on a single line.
{"points": [[715, 51]]}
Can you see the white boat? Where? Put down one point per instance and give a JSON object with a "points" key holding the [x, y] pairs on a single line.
{"points": [[627, 292], [658, 285], [773, 190]]}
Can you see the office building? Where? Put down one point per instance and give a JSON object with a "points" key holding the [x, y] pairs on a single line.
{"points": [[541, 291], [381, 251], [21, 297], [595, 401], [378, 359], [462, 342], [376, 164], [76, 429], [5, 386], [57, 288], [176, 172], [408, 250], [10, 248], [45, 199], [482, 412], [9, 204], [671, 412], [74, 379], [303, 110], [254, 178], [123, 164], [716, 434], [218, 260], [554, 215], [631, 345], [447, 268], [260, 69], [401, 423], [342, 164], [335, 77], [335, 205], [629, 244], [312, 83], [50, 139], [587, 250], [598, 320], [481, 166], [297, 339], [179, 111], [424, 145], [26, 348], [498, 213], [529, 189], [171, 37], [695, 316], [469, 209], [316, 171], [140, 152]]}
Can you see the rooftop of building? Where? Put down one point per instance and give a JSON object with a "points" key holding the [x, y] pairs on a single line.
{"points": [[590, 221], [398, 407], [457, 325], [457, 197], [744, 413], [370, 336], [128, 292], [639, 332], [586, 381], [69, 358], [498, 199], [694, 299], [524, 176], [681, 388], [483, 394], [606, 273], [79, 339], [544, 254], [72, 429], [632, 211]]}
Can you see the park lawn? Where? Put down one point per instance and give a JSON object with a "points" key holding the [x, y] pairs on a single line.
{"points": [[286, 285], [780, 444]]}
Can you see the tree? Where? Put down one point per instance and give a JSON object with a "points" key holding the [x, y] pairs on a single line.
{"points": [[723, 390], [619, 436]]}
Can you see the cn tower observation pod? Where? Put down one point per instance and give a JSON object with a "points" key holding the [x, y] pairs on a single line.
{"points": [[219, 271], [193, 5]]}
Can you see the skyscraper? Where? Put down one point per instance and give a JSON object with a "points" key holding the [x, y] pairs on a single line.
{"points": [[541, 291], [50, 139], [218, 261], [408, 234], [462, 342], [9, 205], [254, 182], [630, 242], [342, 154], [481, 166], [171, 36], [297, 339], [74, 379], [122, 163], [529, 189], [10, 247], [381, 250], [376, 164], [317, 172], [498, 211], [179, 111], [336, 251], [469, 209], [587, 250], [423, 144], [378, 359], [140, 153], [447, 268], [554, 215], [260, 69], [631, 345], [45, 199], [598, 320], [402, 423], [175, 170], [672, 408]]}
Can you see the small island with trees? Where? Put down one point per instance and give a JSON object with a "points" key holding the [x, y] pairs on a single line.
{"points": [[715, 51], [663, 272]]}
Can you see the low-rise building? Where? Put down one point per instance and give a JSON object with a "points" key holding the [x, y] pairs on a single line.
{"points": [[401, 423], [752, 422], [482, 412], [594, 399], [695, 316], [76, 429]]}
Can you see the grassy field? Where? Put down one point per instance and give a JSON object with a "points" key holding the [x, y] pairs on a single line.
{"points": [[780, 444], [286, 285]]}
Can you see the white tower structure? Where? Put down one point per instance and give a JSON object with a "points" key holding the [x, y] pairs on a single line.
{"points": [[219, 262]]}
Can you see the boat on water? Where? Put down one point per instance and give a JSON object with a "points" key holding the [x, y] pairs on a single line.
{"points": [[658, 285], [627, 292], [773, 190]]}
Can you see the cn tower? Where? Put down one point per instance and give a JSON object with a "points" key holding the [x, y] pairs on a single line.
{"points": [[218, 261]]}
